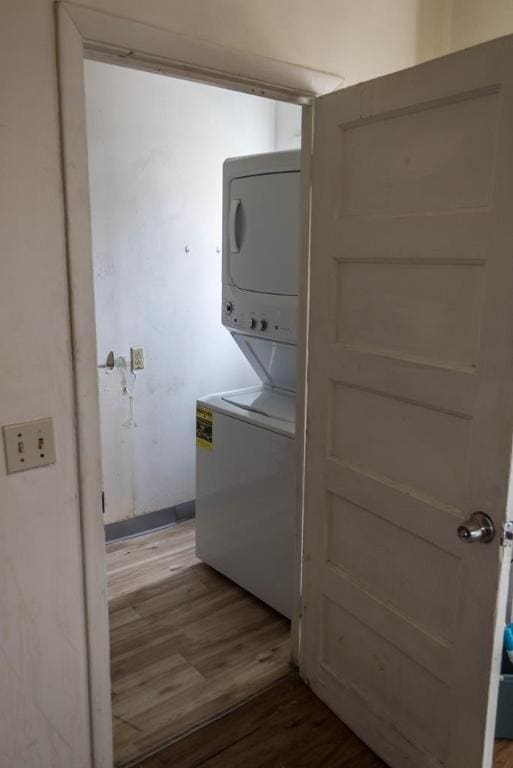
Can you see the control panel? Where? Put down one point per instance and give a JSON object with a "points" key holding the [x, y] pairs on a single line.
{"points": [[272, 317]]}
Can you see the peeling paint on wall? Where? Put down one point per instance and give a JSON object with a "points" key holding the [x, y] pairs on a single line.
{"points": [[116, 393]]}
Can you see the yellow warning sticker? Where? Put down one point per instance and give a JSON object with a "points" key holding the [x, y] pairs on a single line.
{"points": [[204, 428]]}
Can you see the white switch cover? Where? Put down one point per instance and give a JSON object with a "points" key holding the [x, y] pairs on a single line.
{"points": [[137, 358], [29, 445]]}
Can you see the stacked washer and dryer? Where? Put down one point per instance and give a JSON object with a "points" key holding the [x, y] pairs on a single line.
{"points": [[246, 450]]}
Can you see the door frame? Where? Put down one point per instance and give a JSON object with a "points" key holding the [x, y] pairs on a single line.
{"points": [[84, 33]]}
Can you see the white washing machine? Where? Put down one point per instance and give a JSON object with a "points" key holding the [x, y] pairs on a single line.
{"points": [[246, 448], [246, 490]]}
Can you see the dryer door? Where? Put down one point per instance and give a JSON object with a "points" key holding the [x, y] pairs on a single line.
{"points": [[263, 233]]}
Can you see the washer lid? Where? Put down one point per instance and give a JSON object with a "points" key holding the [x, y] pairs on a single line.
{"points": [[273, 403]]}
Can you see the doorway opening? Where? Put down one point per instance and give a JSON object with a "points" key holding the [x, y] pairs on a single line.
{"points": [[191, 636]]}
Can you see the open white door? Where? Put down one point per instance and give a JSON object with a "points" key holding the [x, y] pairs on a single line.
{"points": [[410, 405]]}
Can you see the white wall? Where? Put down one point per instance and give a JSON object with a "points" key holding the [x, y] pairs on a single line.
{"points": [[287, 130], [43, 695], [156, 148], [357, 39], [474, 21]]}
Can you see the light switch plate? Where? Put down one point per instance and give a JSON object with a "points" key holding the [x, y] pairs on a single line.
{"points": [[29, 445], [137, 358]]}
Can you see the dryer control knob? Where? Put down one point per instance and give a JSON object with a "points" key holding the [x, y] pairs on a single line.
{"points": [[252, 323], [228, 307], [262, 325]]}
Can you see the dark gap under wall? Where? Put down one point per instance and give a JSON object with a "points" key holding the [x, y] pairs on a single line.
{"points": [[151, 521]]}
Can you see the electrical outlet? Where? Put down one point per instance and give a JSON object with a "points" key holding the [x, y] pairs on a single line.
{"points": [[29, 445], [137, 358]]}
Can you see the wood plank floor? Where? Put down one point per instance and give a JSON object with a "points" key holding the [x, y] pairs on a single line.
{"points": [[503, 754], [284, 727], [186, 643]]}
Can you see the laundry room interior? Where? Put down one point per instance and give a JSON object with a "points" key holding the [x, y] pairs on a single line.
{"points": [[195, 197]]}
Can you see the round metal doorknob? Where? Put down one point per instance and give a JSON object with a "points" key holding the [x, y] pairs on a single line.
{"points": [[479, 527]]}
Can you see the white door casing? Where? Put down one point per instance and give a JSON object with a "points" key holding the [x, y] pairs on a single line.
{"points": [[410, 405], [81, 31]]}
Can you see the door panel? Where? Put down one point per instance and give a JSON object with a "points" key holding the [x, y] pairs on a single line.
{"points": [[266, 224], [410, 405], [399, 308], [433, 159]]}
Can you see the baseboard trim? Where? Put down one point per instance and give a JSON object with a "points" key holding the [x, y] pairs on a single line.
{"points": [[150, 521]]}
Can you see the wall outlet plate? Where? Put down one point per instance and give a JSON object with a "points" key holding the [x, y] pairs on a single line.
{"points": [[29, 445], [137, 358]]}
